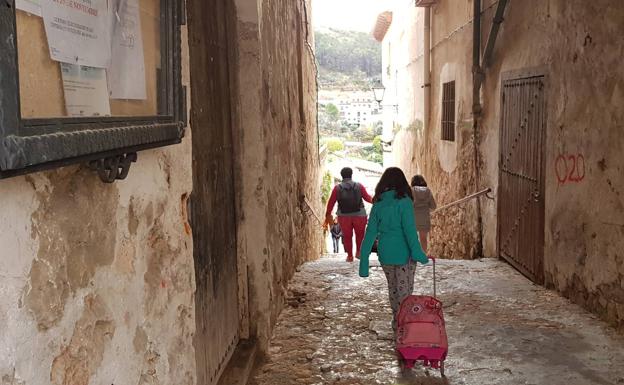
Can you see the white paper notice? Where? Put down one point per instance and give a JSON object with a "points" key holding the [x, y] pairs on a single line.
{"points": [[30, 6], [78, 31], [86, 92], [126, 74]]}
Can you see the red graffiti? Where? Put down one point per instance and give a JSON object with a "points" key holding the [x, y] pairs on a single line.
{"points": [[570, 168]]}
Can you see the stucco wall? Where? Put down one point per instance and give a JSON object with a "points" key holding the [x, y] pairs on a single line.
{"points": [[448, 167], [585, 92], [97, 279], [574, 45]]}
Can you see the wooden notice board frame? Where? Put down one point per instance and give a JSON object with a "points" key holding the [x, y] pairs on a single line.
{"points": [[34, 144]]}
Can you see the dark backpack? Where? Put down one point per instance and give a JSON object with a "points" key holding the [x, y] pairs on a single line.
{"points": [[349, 198]]}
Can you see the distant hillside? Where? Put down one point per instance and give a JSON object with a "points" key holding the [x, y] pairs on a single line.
{"points": [[347, 58]]}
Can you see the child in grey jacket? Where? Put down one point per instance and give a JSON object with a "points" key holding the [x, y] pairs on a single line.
{"points": [[423, 205]]}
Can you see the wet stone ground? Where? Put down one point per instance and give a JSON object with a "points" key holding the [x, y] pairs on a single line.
{"points": [[502, 329]]}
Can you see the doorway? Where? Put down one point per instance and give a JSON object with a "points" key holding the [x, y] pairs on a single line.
{"points": [[212, 203], [521, 175]]}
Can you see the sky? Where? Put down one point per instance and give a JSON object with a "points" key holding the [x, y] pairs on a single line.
{"points": [[356, 15]]}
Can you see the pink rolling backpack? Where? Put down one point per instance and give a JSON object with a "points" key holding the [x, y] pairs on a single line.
{"points": [[421, 332]]}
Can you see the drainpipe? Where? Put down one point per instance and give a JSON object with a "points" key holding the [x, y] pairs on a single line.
{"points": [[489, 45], [427, 75], [476, 56], [477, 77]]}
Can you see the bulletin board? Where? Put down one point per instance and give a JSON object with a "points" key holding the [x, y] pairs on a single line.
{"points": [[89, 81], [123, 86]]}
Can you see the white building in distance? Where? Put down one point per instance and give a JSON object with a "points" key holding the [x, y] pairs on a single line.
{"points": [[356, 107]]}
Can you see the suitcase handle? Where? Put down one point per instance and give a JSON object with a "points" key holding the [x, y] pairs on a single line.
{"points": [[435, 294]]}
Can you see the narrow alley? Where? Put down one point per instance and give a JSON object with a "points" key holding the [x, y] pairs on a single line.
{"points": [[502, 330], [171, 170]]}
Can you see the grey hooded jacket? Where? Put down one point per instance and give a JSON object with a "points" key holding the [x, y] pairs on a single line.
{"points": [[423, 204]]}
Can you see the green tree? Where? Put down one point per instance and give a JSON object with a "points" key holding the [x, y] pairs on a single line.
{"points": [[378, 127], [329, 120], [363, 134], [332, 111], [326, 187], [347, 58], [377, 145], [334, 144]]}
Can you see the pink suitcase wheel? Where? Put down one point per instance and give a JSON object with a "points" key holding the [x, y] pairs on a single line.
{"points": [[408, 364]]}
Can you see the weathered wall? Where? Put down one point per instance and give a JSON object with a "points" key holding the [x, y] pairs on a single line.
{"points": [[448, 167], [97, 280], [277, 154], [573, 43], [289, 114], [585, 92]]}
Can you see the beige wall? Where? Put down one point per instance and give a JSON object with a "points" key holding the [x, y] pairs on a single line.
{"points": [[97, 279], [419, 150], [582, 62], [574, 43]]}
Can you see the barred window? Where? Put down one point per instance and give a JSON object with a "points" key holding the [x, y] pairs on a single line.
{"points": [[448, 111]]}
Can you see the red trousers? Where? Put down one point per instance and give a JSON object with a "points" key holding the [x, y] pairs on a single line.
{"points": [[349, 225]]}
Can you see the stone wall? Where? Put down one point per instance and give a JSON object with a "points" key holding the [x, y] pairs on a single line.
{"points": [[572, 43], [278, 164], [289, 113]]}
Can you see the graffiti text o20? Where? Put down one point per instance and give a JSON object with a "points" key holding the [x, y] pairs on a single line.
{"points": [[570, 168]]}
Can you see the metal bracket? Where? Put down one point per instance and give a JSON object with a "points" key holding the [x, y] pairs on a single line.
{"points": [[113, 168]]}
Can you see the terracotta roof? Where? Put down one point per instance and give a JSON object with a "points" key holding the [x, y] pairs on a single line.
{"points": [[381, 26]]}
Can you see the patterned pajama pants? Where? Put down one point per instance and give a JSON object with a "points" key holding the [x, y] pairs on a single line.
{"points": [[400, 285]]}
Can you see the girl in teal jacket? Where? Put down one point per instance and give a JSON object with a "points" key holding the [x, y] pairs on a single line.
{"points": [[391, 222]]}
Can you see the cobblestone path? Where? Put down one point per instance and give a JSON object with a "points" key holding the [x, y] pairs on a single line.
{"points": [[502, 330]]}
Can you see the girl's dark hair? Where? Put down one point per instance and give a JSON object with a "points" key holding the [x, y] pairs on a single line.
{"points": [[419, 180], [393, 179]]}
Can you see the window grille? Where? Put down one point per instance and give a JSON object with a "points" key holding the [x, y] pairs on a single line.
{"points": [[448, 111]]}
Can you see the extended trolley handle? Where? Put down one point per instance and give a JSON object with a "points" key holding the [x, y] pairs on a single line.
{"points": [[435, 294]]}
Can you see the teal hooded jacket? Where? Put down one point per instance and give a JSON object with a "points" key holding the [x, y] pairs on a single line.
{"points": [[391, 221]]}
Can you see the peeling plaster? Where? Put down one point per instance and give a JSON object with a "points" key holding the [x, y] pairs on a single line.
{"points": [[70, 249], [81, 358]]}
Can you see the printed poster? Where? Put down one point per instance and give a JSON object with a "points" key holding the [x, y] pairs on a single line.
{"points": [[86, 91], [31, 6], [78, 31], [126, 74]]}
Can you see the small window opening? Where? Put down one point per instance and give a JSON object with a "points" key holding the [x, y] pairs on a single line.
{"points": [[448, 111]]}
